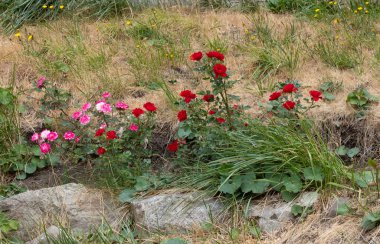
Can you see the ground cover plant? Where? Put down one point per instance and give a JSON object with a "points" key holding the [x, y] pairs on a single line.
{"points": [[236, 100]]}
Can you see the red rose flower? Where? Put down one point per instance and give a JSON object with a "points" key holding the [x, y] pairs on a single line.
{"points": [[173, 147], [196, 56], [289, 88], [101, 150], [220, 120], [111, 135], [316, 95], [275, 95], [150, 107], [208, 98], [188, 95], [246, 124], [137, 112], [289, 105], [215, 54], [99, 132], [220, 70], [182, 115], [211, 112]]}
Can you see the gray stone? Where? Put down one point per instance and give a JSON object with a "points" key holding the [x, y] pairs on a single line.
{"points": [[307, 199], [52, 232], [169, 212], [71, 205], [270, 225], [279, 211], [338, 201]]}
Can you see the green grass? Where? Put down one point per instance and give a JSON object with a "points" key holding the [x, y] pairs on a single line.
{"points": [[272, 153], [338, 57]]}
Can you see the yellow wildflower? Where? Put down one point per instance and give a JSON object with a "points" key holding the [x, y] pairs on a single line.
{"points": [[51, 6], [171, 56], [252, 38], [317, 10], [331, 2], [336, 21], [18, 34], [366, 12], [366, 3], [315, 15], [128, 22], [44, 6], [360, 8], [61, 7], [30, 37], [355, 11], [335, 3], [138, 46]]}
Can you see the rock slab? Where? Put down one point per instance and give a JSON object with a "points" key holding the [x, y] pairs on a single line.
{"points": [[178, 211], [71, 205]]}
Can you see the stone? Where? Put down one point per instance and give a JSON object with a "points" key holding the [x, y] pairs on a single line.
{"points": [[280, 211], [176, 211], [52, 232], [71, 205], [332, 211], [307, 199], [270, 225]]}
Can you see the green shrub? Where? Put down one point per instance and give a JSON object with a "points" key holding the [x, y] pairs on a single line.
{"points": [[6, 226], [361, 99]]}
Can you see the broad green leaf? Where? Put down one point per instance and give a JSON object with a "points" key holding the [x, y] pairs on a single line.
{"points": [[20, 149], [231, 186], [342, 209], [288, 196], [21, 175], [54, 160], [256, 186], [174, 241], [6, 96], [30, 168], [182, 133], [328, 96], [127, 195], [313, 173], [142, 184], [297, 210], [36, 151], [293, 183], [40, 163], [247, 181], [353, 152], [341, 151], [13, 224], [370, 221]]}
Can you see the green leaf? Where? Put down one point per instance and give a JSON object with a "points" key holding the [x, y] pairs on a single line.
{"points": [[328, 96], [372, 163], [297, 210], [341, 151], [293, 183], [21, 175], [54, 160], [231, 185], [13, 224], [353, 152], [127, 195], [256, 186], [370, 221], [40, 163], [255, 231], [313, 173], [142, 183], [247, 181], [342, 209], [20, 149], [6, 96], [174, 241], [288, 196], [36, 151], [182, 133], [30, 168]]}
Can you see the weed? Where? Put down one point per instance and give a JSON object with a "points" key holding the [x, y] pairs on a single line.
{"points": [[337, 56], [361, 99]]}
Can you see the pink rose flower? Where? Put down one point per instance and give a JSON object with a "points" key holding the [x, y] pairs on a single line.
{"points": [[106, 108], [77, 139], [69, 135], [84, 120], [121, 106], [76, 115], [106, 95], [103, 126], [45, 133], [40, 82], [35, 137], [86, 106], [52, 136], [45, 148], [99, 105], [133, 127]]}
